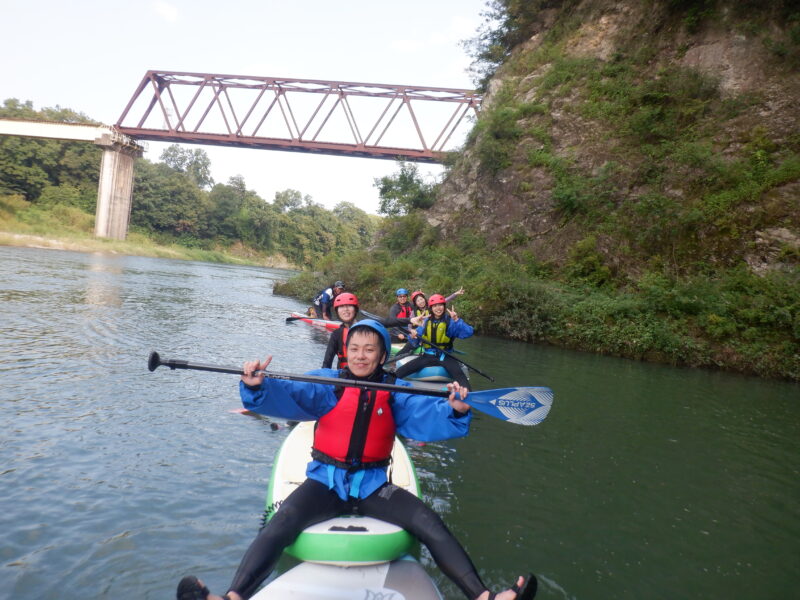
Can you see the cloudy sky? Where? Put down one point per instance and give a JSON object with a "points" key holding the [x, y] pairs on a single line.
{"points": [[89, 55]]}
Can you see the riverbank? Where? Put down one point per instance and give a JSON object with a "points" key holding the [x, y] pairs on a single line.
{"points": [[138, 245], [63, 227]]}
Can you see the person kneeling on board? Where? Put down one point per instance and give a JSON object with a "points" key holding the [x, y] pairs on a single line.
{"points": [[347, 473]]}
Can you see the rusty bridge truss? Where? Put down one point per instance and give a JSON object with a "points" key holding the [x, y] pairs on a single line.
{"points": [[328, 117]]}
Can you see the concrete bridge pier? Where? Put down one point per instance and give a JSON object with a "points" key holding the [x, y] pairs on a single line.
{"points": [[115, 190]]}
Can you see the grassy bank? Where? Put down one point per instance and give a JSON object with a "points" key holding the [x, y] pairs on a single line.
{"points": [[727, 318], [64, 227]]}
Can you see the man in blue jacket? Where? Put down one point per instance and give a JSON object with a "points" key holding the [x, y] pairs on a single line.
{"points": [[324, 300], [352, 443]]}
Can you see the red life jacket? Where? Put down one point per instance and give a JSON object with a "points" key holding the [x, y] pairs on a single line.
{"points": [[342, 351], [358, 431], [405, 311]]}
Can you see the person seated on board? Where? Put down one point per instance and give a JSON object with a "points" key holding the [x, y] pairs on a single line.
{"points": [[345, 306], [324, 300], [419, 304], [399, 315], [435, 336], [345, 477]]}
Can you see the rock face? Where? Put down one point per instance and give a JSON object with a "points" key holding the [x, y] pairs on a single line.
{"points": [[753, 114]]}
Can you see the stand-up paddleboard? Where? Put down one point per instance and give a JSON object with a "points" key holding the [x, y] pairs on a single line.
{"points": [[321, 323], [347, 540], [402, 579], [433, 373]]}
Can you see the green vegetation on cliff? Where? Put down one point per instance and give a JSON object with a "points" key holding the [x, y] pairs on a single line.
{"points": [[630, 187]]}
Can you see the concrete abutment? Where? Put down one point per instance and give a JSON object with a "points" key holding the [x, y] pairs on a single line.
{"points": [[115, 190]]}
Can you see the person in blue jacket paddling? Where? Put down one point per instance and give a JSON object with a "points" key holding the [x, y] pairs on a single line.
{"points": [[436, 334], [324, 300], [347, 474]]}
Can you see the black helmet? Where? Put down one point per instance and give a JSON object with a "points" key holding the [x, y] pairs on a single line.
{"points": [[339, 284]]}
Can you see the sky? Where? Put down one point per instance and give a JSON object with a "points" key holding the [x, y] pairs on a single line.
{"points": [[90, 55]]}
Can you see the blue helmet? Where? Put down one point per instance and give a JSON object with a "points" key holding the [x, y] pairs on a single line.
{"points": [[377, 328], [401, 292]]}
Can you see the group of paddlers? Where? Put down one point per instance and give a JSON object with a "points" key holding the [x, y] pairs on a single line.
{"points": [[353, 437], [426, 325]]}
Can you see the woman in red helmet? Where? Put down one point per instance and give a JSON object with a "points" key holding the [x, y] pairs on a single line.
{"points": [[345, 307], [435, 334]]}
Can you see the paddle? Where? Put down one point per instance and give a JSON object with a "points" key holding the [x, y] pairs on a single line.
{"points": [[522, 405], [314, 320]]}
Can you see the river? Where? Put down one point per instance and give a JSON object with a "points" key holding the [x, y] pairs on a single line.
{"points": [[645, 481]]}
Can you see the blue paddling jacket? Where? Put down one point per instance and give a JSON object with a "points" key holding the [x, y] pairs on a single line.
{"points": [[416, 416]]}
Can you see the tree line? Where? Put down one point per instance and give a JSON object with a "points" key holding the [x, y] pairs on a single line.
{"points": [[176, 199]]}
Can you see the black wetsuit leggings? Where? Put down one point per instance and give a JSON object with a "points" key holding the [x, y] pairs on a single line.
{"points": [[313, 502], [429, 360]]}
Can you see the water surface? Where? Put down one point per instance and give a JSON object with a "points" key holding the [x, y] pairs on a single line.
{"points": [[644, 482]]}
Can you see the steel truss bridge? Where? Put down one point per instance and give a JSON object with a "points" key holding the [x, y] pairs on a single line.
{"points": [[299, 115]]}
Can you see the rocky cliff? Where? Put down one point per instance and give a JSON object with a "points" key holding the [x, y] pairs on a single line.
{"points": [[643, 134]]}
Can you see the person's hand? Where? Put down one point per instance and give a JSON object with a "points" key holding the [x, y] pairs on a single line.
{"points": [[417, 321], [412, 333], [452, 313], [253, 365], [456, 397], [459, 292]]}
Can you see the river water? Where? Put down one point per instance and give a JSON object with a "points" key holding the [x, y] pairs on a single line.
{"points": [[645, 481]]}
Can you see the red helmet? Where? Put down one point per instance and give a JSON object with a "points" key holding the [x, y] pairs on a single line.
{"points": [[436, 299], [345, 298], [415, 294]]}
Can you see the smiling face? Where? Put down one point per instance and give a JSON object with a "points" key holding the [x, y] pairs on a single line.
{"points": [[346, 313], [420, 301], [437, 310], [402, 298], [364, 352]]}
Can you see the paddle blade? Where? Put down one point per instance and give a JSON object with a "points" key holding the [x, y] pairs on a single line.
{"points": [[522, 405]]}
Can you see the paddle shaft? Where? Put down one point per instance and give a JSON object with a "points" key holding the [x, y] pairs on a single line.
{"points": [[364, 385], [522, 405]]}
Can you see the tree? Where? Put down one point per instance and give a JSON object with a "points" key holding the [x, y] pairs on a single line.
{"points": [[195, 163], [166, 201], [29, 165], [352, 216], [404, 192], [288, 200]]}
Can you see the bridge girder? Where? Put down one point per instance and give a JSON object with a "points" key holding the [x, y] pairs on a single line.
{"points": [[299, 115]]}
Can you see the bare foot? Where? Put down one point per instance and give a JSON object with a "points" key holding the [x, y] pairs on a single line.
{"points": [[505, 595]]}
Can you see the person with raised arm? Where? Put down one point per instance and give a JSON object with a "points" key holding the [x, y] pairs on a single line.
{"points": [[435, 335], [352, 444]]}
